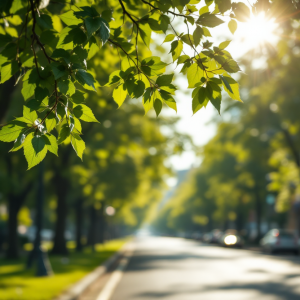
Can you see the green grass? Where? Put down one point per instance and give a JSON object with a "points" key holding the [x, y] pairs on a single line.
{"points": [[18, 283]]}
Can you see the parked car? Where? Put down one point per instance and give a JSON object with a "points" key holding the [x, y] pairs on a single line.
{"points": [[277, 240], [231, 238]]}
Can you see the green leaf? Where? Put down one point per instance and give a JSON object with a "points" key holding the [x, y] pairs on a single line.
{"points": [[171, 89], [208, 2], [227, 85], [77, 124], [224, 45], [78, 97], [164, 22], [37, 105], [86, 11], [19, 142], [145, 32], [51, 143], [200, 99], [51, 122], [234, 91], [114, 78], [209, 20], [66, 87], [71, 36], [11, 131], [169, 38], [58, 70], [182, 59], [206, 32], [41, 93], [223, 5], [93, 47], [120, 94], [104, 31], [164, 80], [180, 4], [214, 94], [135, 87], [153, 62], [188, 39], [71, 123], [61, 53], [30, 81], [49, 37], [241, 11], [203, 10], [197, 35], [176, 49], [153, 66], [64, 133], [85, 79], [84, 113], [78, 144], [194, 75], [148, 99], [44, 21], [168, 99], [30, 115], [5, 39], [35, 149], [81, 53], [157, 106], [8, 70], [8, 53], [70, 19], [232, 25], [92, 25], [231, 66]]}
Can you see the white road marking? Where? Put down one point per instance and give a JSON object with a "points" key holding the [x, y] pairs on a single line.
{"points": [[115, 278]]}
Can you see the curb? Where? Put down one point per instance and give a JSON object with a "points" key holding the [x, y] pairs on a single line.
{"points": [[79, 287]]}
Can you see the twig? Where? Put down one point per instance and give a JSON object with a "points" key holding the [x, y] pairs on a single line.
{"points": [[137, 28]]}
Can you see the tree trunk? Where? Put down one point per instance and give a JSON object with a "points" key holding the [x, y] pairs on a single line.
{"points": [[15, 203], [240, 216], [13, 243], [92, 227], [61, 185], [101, 224], [59, 243], [78, 224], [258, 210]]}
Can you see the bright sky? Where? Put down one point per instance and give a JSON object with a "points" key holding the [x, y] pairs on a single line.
{"points": [[248, 35]]}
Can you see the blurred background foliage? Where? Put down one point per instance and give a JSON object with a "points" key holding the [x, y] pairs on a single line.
{"points": [[254, 156]]}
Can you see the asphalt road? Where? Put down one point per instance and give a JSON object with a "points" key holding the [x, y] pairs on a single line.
{"points": [[178, 269]]}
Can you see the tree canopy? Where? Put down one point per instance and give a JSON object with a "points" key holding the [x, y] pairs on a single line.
{"points": [[46, 47]]}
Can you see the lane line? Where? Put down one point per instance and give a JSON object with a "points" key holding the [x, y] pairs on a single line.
{"points": [[115, 278]]}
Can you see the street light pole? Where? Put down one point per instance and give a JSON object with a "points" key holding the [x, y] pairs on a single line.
{"points": [[37, 253]]}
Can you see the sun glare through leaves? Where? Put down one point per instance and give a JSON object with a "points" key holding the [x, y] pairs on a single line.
{"points": [[258, 31]]}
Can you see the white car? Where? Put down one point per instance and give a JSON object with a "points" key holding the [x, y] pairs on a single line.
{"points": [[277, 240]]}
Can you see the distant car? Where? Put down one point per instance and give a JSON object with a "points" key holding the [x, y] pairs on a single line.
{"points": [[277, 240], [213, 236], [231, 238]]}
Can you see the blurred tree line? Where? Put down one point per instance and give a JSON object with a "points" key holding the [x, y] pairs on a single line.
{"points": [[255, 154]]}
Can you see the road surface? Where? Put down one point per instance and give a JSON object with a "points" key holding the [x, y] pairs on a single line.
{"points": [[179, 269]]}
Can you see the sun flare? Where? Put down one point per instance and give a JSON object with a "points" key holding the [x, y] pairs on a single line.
{"points": [[258, 30]]}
